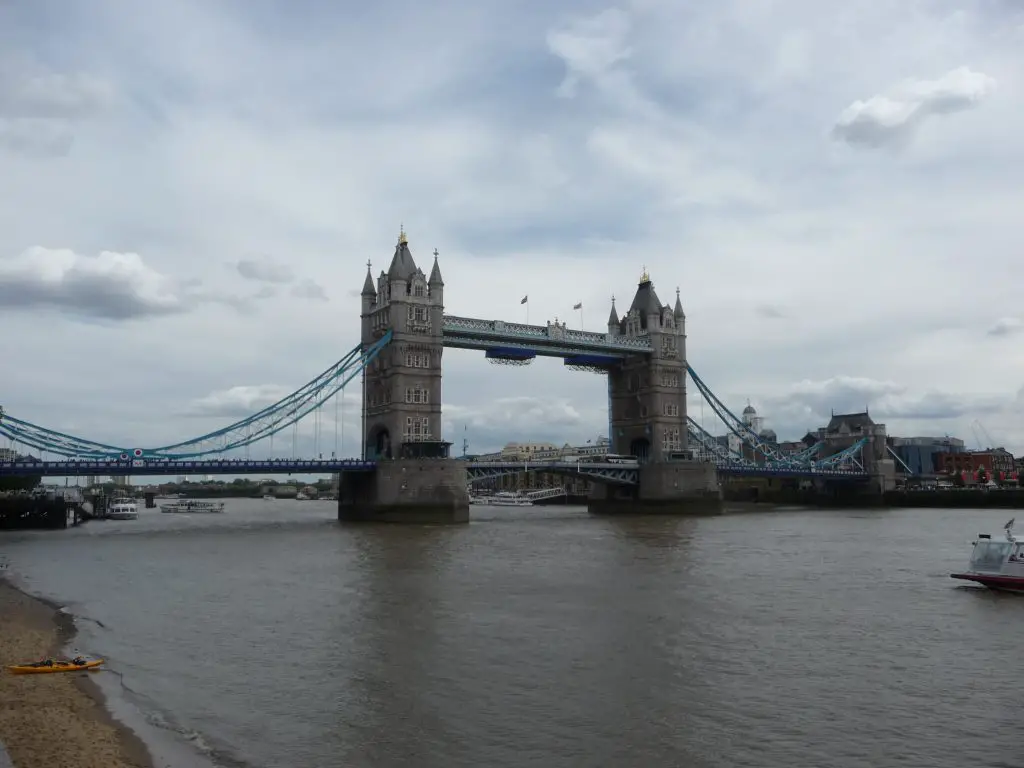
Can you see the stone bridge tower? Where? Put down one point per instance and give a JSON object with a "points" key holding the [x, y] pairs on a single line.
{"points": [[402, 400], [647, 394], [414, 481]]}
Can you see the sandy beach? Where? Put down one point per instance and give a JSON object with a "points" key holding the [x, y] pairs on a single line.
{"points": [[54, 721]]}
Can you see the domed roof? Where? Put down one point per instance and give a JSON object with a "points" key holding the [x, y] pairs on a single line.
{"points": [[749, 411]]}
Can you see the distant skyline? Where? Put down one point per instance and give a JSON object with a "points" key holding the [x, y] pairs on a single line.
{"points": [[189, 194]]}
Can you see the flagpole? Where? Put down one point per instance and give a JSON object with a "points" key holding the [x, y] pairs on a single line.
{"points": [[581, 317], [527, 310]]}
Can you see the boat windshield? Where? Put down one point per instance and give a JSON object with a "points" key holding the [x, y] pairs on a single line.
{"points": [[990, 555]]}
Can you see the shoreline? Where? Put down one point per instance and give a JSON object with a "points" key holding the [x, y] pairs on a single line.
{"points": [[51, 721]]}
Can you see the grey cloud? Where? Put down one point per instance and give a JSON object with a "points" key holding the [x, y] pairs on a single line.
{"points": [[53, 95], [268, 271], [264, 270], [770, 312], [110, 286], [890, 119], [1006, 326], [37, 112], [809, 404], [86, 296], [309, 289], [590, 47], [35, 138]]}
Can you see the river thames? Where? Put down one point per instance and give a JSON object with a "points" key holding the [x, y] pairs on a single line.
{"points": [[272, 637]]}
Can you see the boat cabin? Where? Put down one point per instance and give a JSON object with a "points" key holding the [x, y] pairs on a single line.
{"points": [[993, 555]]}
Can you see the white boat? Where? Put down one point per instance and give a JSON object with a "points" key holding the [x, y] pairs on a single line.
{"points": [[268, 497], [122, 508], [507, 499], [193, 506], [300, 496], [996, 564]]}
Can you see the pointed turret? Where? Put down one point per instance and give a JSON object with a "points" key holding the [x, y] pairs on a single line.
{"points": [[646, 302], [402, 265], [435, 272], [613, 319], [677, 313], [368, 289]]}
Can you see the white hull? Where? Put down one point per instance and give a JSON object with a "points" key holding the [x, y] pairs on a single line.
{"points": [[193, 507], [501, 500], [122, 509]]}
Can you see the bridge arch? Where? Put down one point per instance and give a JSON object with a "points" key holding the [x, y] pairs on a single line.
{"points": [[378, 443], [641, 448]]}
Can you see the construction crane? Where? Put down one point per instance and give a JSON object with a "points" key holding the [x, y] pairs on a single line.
{"points": [[991, 443]]}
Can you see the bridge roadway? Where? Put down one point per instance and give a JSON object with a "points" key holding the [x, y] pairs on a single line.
{"points": [[619, 474], [542, 340], [143, 467]]}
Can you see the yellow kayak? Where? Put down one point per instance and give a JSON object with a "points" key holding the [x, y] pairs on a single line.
{"points": [[49, 667]]}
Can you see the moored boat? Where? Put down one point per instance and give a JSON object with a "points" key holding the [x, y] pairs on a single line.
{"points": [[193, 506], [122, 508], [996, 564]]}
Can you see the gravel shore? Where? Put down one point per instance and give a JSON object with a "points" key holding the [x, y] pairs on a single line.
{"points": [[58, 720]]}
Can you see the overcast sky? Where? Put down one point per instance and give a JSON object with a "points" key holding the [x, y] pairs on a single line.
{"points": [[190, 190]]}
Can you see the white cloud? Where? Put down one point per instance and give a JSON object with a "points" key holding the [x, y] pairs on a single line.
{"points": [[889, 118], [196, 136], [238, 402], [114, 286]]}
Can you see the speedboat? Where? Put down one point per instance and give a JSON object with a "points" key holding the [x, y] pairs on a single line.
{"points": [[122, 508], [193, 506], [995, 563]]}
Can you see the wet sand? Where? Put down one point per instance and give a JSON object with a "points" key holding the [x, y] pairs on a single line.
{"points": [[59, 720]]}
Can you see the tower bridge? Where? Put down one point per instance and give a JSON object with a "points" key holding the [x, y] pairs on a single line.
{"points": [[406, 473]]}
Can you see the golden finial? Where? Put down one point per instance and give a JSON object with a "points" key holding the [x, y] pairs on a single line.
{"points": [[645, 278], [401, 235]]}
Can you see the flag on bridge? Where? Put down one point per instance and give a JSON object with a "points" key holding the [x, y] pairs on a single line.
{"points": [[578, 306], [525, 299]]}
